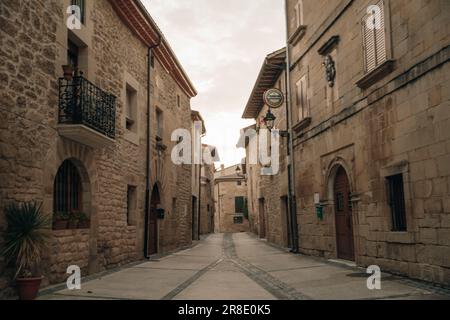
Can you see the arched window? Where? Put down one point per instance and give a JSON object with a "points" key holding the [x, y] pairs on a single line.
{"points": [[67, 196]]}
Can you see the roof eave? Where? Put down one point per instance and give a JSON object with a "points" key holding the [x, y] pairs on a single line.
{"points": [[271, 73]]}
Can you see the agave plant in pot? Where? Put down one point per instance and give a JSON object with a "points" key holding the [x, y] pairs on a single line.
{"points": [[26, 237]]}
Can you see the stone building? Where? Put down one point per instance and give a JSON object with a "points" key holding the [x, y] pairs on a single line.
{"points": [[267, 194], [198, 131], [88, 144], [207, 192], [370, 90], [230, 196]]}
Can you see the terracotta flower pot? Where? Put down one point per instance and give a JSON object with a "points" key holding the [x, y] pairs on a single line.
{"points": [[73, 224], [28, 288], [68, 72]]}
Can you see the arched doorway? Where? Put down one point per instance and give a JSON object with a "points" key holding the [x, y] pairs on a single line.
{"points": [[152, 223], [343, 213]]}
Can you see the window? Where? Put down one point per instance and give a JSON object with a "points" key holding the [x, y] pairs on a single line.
{"points": [[131, 108], [239, 183], [131, 204], [159, 123], [374, 37], [72, 54], [81, 4], [302, 99], [67, 196], [239, 203], [396, 200], [238, 219], [178, 101], [298, 14]]}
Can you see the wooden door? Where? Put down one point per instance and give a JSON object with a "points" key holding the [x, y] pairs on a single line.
{"points": [[344, 222]]}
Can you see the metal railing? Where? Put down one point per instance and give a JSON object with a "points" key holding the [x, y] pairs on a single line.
{"points": [[81, 102]]}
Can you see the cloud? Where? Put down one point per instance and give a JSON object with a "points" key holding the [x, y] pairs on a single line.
{"points": [[221, 45]]}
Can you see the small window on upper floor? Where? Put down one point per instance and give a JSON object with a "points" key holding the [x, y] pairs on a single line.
{"points": [[376, 43], [159, 123], [374, 37], [298, 14], [131, 108], [178, 101], [302, 99]]}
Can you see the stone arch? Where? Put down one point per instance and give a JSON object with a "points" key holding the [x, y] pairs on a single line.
{"points": [[83, 158], [331, 172], [86, 202], [331, 175]]}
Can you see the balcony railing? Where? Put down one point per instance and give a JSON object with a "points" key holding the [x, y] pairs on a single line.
{"points": [[83, 103]]}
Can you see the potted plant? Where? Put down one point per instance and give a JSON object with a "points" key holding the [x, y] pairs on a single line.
{"points": [[83, 221], [26, 236], [73, 220], [68, 72], [60, 220]]}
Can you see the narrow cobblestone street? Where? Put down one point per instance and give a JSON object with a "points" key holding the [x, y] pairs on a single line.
{"points": [[237, 267]]}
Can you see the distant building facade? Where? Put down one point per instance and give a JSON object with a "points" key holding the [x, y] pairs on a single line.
{"points": [[230, 196]]}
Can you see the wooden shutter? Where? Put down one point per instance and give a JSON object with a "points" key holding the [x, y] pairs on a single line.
{"points": [[239, 204], [380, 36], [374, 39], [302, 99]]}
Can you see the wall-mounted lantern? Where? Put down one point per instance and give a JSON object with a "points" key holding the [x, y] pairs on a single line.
{"points": [[269, 120]]}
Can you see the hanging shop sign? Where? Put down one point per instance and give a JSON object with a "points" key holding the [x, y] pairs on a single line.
{"points": [[274, 98]]}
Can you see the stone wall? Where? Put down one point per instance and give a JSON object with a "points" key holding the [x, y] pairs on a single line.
{"points": [[33, 39], [397, 122]]}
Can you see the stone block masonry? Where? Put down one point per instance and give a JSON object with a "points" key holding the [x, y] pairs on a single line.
{"points": [[33, 47]]}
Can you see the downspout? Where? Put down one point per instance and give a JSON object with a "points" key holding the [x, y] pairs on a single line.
{"points": [[148, 167], [292, 202], [199, 199]]}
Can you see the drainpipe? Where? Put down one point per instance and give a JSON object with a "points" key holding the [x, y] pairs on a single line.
{"points": [[148, 167], [199, 200], [292, 202]]}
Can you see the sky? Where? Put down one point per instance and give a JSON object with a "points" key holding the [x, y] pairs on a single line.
{"points": [[222, 45]]}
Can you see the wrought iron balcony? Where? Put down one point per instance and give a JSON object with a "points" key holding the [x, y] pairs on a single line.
{"points": [[86, 113]]}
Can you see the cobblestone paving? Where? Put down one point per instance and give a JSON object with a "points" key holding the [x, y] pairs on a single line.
{"points": [[242, 267]]}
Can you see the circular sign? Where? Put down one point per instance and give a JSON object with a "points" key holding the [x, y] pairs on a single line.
{"points": [[274, 98]]}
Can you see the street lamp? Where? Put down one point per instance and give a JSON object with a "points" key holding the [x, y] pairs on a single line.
{"points": [[269, 120]]}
